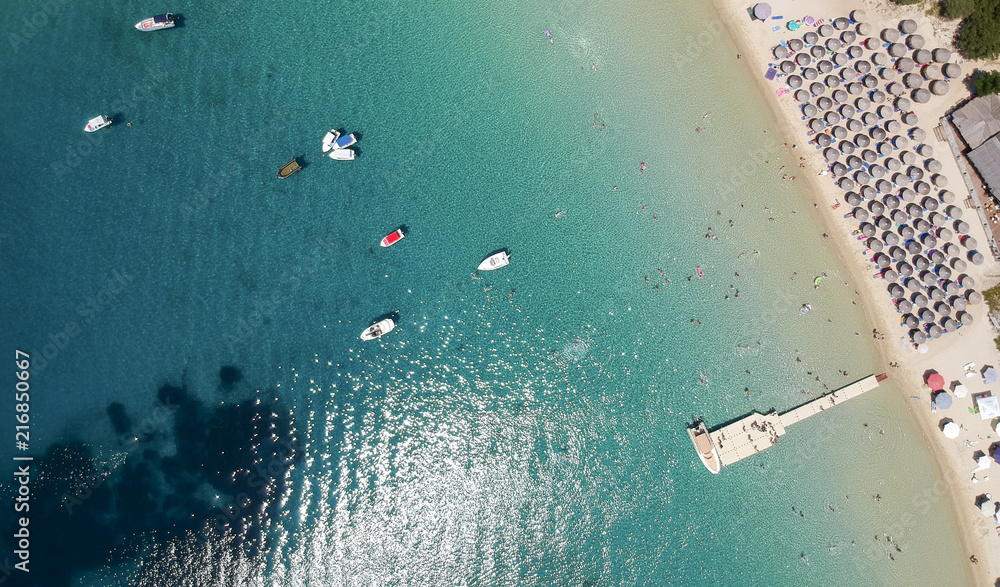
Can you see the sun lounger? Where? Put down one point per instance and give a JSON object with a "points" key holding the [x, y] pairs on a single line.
{"points": [[775, 28]]}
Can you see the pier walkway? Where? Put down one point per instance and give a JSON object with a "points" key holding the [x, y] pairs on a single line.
{"points": [[755, 432]]}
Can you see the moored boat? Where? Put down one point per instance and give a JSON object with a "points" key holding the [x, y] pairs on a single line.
{"points": [[335, 140], [289, 168], [705, 447], [342, 155], [495, 261], [97, 123], [155, 23], [378, 329], [393, 238]]}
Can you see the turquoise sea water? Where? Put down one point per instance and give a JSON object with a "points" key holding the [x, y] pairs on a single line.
{"points": [[526, 427]]}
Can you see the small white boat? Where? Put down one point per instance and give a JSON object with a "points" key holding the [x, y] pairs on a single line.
{"points": [[393, 238], [155, 23], [378, 329], [97, 123], [495, 261], [334, 140], [342, 155], [705, 447]]}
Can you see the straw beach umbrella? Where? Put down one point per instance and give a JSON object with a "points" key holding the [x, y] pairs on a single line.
{"points": [[876, 208], [870, 82], [839, 96], [913, 80], [880, 59], [831, 155], [892, 164], [966, 281], [854, 52], [932, 72], [846, 183], [939, 180], [848, 37], [780, 52], [854, 162], [920, 96], [841, 23], [916, 42], [823, 140], [824, 103], [860, 214], [809, 110], [890, 35], [862, 67], [938, 87], [862, 140], [896, 50], [817, 51], [796, 45], [868, 193], [825, 30], [838, 132], [832, 44], [951, 70], [809, 73], [824, 66], [976, 257], [905, 64], [846, 147], [801, 96], [941, 55], [794, 81], [903, 104], [855, 88], [907, 27], [895, 89], [817, 88], [953, 211], [877, 171], [909, 118], [802, 59], [891, 202]]}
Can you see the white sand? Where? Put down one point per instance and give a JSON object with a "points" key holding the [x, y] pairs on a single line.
{"points": [[947, 355]]}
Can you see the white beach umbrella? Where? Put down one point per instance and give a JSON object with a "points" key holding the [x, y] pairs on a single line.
{"points": [[951, 430], [961, 391]]}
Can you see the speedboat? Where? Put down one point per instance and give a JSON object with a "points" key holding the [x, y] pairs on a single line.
{"points": [[97, 123], [393, 238], [705, 447], [155, 23], [289, 168], [495, 261], [378, 329], [334, 140], [342, 154]]}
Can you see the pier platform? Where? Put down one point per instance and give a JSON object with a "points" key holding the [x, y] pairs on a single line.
{"points": [[756, 432]]}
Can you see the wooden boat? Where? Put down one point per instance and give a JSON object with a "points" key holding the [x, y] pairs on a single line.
{"points": [[289, 168], [705, 447], [393, 238]]}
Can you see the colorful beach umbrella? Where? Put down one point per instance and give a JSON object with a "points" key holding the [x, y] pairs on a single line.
{"points": [[935, 381]]}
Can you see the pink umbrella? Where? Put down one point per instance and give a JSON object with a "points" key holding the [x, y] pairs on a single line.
{"points": [[935, 381]]}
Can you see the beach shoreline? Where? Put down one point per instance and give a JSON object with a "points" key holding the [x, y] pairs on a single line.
{"points": [[974, 343]]}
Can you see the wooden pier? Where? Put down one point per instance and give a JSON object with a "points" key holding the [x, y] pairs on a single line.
{"points": [[756, 432]]}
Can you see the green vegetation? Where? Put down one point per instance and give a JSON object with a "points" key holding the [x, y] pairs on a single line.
{"points": [[988, 83], [979, 35], [996, 341], [992, 297], [952, 9], [909, 1]]}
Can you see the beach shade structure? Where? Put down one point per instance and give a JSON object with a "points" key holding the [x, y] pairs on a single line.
{"points": [[952, 251], [801, 96], [904, 306], [854, 52], [826, 30], [823, 140], [951, 430], [934, 331], [890, 35], [877, 133], [892, 125], [877, 97], [839, 133], [949, 324], [780, 52], [942, 400], [863, 28], [959, 390], [939, 180], [958, 265], [846, 147], [938, 87], [914, 210], [903, 104], [841, 23], [762, 11], [787, 67], [890, 275], [907, 158], [900, 179], [840, 60], [860, 214], [884, 111], [976, 257], [951, 70], [877, 171], [913, 80], [847, 111], [839, 96], [990, 375], [879, 60], [884, 148], [899, 255], [964, 317], [919, 338], [840, 169], [817, 89], [858, 15], [896, 291], [862, 104], [943, 310], [831, 154], [951, 211], [870, 82], [920, 262], [921, 225], [924, 150], [932, 72], [968, 242], [928, 277], [895, 89], [831, 81], [867, 193], [869, 156], [824, 103], [936, 257], [817, 51], [905, 65], [869, 118], [906, 232], [961, 227], [853, 125], [883, 261], [937, 219], [973, 297], [810, 38], [900, 141], [868, 229], [920, 96], [941, 55], [908, 26], [833, 44], [915, 173], [794, 81], [802, 59], [935, 381], [862, 177], [904, 269], [967, 281], [916, 42], [853, 199], [862, 67], [883, 223], [793, 25], [795, 45], [854, 162], [892, 164], [922, 187], [876, 207], [891, 202], [943, 271], [927, 315], [919, 300], [809, 110], [809, 73], [883, 186], [874, 244], [929, 203], [855, 88], [848, 37], [816, 125], [898, 216], [944, 233], [989, 408], [932, 165], [832, 118], [895, 50]]}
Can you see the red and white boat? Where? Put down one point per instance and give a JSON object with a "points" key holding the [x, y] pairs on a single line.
{"points": [[393, 238]]}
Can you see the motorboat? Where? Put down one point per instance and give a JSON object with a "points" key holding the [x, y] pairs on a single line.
{"points": [[378, 329], [335, 140], [342, 155], [495, 261], [289, 168], [703, 444], [97, 123], [393, 238], [155, 23]]}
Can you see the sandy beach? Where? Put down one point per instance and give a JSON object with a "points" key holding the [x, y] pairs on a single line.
{"points": [[973, 343]]}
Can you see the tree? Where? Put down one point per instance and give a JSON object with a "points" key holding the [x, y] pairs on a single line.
{"points": [[988, 83], [909, 1], [979, 35], [952, 9]]}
